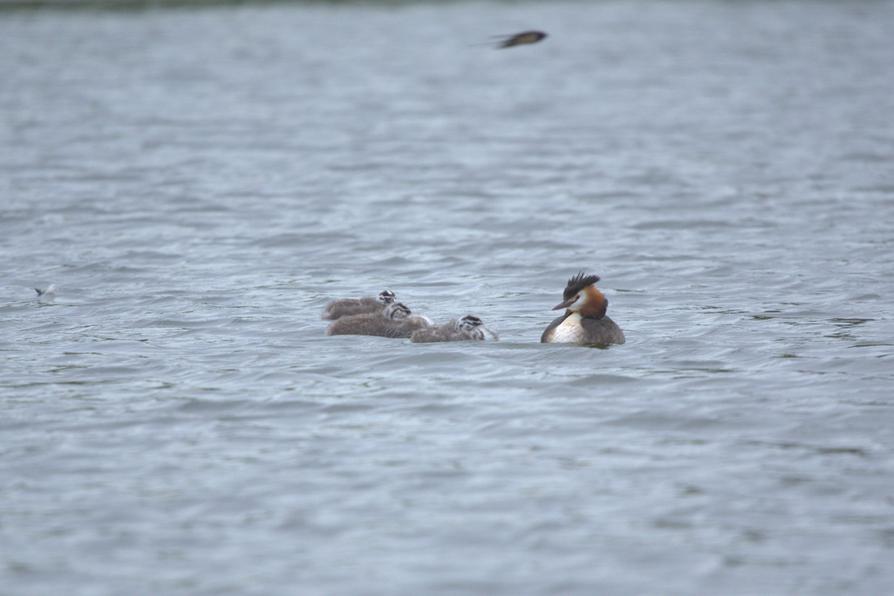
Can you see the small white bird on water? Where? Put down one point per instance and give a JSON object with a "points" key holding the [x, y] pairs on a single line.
{"points": [[47, 295]]}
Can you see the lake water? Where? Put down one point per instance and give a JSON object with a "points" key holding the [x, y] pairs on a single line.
{"points": [[199, 182]]}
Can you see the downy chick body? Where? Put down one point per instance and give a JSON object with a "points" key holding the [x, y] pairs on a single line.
{"points": [[346, 307], [465, 329], [396, 320]]}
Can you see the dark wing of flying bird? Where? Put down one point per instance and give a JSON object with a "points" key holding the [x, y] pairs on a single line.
{"points": [[519, 39]]}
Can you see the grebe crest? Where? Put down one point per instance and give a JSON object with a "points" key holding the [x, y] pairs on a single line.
{"points": [[386, 297], [578, 283]]}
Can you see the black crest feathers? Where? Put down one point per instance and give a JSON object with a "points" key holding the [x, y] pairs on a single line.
{"points": [[578, 283]]}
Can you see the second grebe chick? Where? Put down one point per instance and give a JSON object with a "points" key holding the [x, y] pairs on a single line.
{"points": [[396, 320], [358, 306], [467, 328], [584, 321]]}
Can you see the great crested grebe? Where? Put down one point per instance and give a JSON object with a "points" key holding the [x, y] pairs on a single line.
{"points": [[584, 321], [396, 320], [467, 328], [358, 306]]}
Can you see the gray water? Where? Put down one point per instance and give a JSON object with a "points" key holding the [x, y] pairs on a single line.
{"points": [[198, 183]]}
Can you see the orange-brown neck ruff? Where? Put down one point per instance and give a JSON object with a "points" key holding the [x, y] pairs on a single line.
{"points": [[595, 305]]}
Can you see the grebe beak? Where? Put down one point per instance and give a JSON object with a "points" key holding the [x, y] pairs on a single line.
{"points": [[565, 304]]}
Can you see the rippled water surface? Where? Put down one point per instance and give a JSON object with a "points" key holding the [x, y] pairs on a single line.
{"points": [[198, 183]]}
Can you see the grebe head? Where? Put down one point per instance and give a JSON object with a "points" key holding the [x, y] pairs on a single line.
{"points": [[386, 297], [471, 326], [468, 323], [397, 311], [581, 296], [474, 326]]}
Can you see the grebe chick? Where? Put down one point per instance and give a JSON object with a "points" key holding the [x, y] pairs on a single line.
{"points": [[358, 306], [396, 320], [584, 321], [467, 328]]}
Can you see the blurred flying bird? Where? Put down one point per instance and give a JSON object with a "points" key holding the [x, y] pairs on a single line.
{"points": [[46, 295], [523, 38]]}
